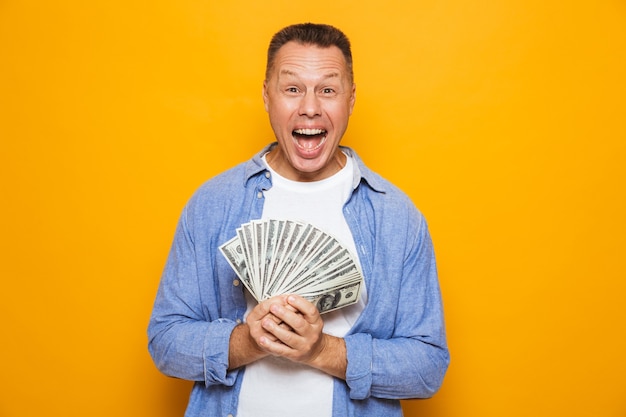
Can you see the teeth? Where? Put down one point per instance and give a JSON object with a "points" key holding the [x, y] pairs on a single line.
{"points": [[309, 132]]}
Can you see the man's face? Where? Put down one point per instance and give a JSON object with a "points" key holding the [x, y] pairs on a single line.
{"points": [[309, 97]]}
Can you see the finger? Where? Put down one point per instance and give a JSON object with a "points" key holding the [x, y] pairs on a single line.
{"points": [[288, 315], [297, 344], [279, 334], [262, 309], [304, 306]]}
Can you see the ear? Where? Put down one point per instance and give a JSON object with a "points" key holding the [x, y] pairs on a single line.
{"points": [[352, 98], [265, 97]]}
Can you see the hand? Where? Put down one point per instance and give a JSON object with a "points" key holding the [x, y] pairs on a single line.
{"points": [[244, 346], [262, 312], [292, 329]]}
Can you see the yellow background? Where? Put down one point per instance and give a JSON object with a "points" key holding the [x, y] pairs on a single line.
{"points": [[504, 121]]}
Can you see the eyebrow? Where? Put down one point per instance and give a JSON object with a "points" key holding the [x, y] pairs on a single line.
{"points": [[293, 74]]}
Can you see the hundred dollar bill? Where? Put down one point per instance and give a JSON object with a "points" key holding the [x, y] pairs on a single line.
{"points": [[234, 253], [321, 268], [273, 257], [336, 298]]}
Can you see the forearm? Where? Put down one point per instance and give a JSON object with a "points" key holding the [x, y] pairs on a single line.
{"points": [[332, 358], [242, 349]]}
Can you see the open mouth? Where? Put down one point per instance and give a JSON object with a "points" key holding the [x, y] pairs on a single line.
{"points": [[309, 139]]}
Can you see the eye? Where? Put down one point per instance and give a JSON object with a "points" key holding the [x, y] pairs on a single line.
{"points": [[328, 90], [292, 90]]}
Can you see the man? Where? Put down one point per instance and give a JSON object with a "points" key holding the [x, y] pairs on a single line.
{"points": [[280, 356]]}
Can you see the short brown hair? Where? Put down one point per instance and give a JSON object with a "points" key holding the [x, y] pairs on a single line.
{"points": [[310, 34]]}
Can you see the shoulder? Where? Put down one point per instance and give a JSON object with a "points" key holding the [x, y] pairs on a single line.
{"points": [[220, 187], [230, 185], [381, 191]]}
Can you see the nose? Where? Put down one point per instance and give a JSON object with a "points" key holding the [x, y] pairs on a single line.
{"points": [[310, 105]]}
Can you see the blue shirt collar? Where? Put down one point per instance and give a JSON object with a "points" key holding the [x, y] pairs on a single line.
{"points": [[255, 166]]}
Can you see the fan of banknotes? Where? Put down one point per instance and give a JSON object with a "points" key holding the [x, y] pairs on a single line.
{"points": [[274, 257]]}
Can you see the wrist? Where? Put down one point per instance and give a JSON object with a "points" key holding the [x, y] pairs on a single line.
{"points": [[331, 357], [243, 349]]}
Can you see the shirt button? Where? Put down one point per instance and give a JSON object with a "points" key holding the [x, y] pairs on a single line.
{"points": [[236, 283], [238, 321], [259, 195], [267, 174]]}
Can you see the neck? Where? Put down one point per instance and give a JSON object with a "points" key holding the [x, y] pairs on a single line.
{"points": [[277, 160]]}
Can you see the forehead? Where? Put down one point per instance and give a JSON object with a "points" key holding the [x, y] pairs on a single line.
{"points": [[295, 59]]}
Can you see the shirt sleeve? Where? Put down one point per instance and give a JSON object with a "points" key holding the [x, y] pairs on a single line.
{"points": [[183, 340], [400, 351]]}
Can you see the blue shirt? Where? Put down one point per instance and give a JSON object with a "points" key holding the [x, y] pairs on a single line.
{"points": [[397, 348]]}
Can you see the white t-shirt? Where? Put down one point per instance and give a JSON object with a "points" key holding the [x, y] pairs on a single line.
{"points": [[276, 386]]}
